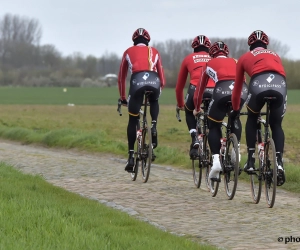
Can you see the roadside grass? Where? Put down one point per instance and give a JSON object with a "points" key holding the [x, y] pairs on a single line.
{"points": [[37, 215], [101, 129]]}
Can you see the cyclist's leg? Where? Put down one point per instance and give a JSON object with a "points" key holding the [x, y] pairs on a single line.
{"points": [[276, 117], [191, 121], [254, 104], [216, 114], [135, 100], [154, 111]]}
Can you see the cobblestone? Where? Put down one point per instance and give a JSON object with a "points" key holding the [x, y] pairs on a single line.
{"points": [[169, 200]]}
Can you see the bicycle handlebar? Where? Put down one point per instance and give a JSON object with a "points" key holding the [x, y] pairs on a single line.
{"points": [[119, 107], [178, 114]]}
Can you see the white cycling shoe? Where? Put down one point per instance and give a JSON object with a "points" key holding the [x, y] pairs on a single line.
{"points": [[216, 168]]}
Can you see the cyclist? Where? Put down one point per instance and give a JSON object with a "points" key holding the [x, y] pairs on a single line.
{"points": [[145, 65], [267, 79], [192, 64], [221, 69]]}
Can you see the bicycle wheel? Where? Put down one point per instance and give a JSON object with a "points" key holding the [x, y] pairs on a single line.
{"points": [[207, 158], [231, 166], [137, 162], [270, 172], [146, 152], [256, 179], [197, 169]]}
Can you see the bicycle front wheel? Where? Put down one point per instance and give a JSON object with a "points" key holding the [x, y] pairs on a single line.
{"points": [[197, 169], [146, 153], [256, 179], [231, 166], [270, 172]]}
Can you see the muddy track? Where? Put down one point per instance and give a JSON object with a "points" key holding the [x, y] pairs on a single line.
{"points": [[169, 200]]}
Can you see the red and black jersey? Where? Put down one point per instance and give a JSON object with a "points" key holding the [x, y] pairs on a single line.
{"points": [[192, 64], [139, 58], [218, 69], [254, 62]]}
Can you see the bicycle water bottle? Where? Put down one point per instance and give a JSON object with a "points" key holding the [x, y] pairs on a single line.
{"points": [[260, 150], [223, 146]]}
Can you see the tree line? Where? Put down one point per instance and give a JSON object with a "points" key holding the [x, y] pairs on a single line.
{"points": [[25, 62]]}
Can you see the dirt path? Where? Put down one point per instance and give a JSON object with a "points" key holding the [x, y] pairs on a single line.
{"points": [[169, 200]]}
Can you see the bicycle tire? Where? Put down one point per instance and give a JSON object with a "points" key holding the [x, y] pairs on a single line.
{"points": [[231, 166], [207, 161], [256, 179], [197, 169], [146, 153], [137, 163], [270, 172]]}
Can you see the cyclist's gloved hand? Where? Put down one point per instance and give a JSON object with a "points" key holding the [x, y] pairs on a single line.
{"points": [[180, 108], [196, 112], [123, 102], [234, 114]]}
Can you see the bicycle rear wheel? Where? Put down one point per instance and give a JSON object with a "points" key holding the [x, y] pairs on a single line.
{"points": [[197, 169], [270, 172], [146, 152], [256, 179], [137, 162], [231, 166], [207, 159]]}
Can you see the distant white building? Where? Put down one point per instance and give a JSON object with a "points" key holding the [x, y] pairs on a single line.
{"points": [[110, 79]]}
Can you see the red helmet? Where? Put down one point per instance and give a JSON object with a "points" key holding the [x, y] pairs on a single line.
{"points": [[141, 32], [200, 40], [258, 35], [218, 47]]}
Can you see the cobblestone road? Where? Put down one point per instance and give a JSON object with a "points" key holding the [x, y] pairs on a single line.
{"points": [[169, 200]]}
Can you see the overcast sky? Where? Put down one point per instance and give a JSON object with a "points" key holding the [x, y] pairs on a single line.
{"points": [[96, 27]]}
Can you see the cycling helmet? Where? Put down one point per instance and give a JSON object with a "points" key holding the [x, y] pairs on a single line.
{"points": [[200, 40], [141, 32], [218, 48], [258, 35]]}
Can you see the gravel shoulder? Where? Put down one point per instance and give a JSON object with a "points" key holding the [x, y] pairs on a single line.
{"points": [[169, 200]]}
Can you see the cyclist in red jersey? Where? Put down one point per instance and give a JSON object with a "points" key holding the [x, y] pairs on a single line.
{"points": [[268, 78], [144, 63], [221, 69], [193, 64]]}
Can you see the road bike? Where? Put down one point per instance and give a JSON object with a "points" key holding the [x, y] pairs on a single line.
{"points": [[144, 150], [229, 159], [203, 159], [265, 160]]}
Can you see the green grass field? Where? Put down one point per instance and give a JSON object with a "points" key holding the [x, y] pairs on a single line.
{"points": [[86, 96]]}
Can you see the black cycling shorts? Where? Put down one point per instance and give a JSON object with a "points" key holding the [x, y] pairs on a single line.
{"points": [[217, 108], [267, 84], [139, 83], [189, 98]]}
